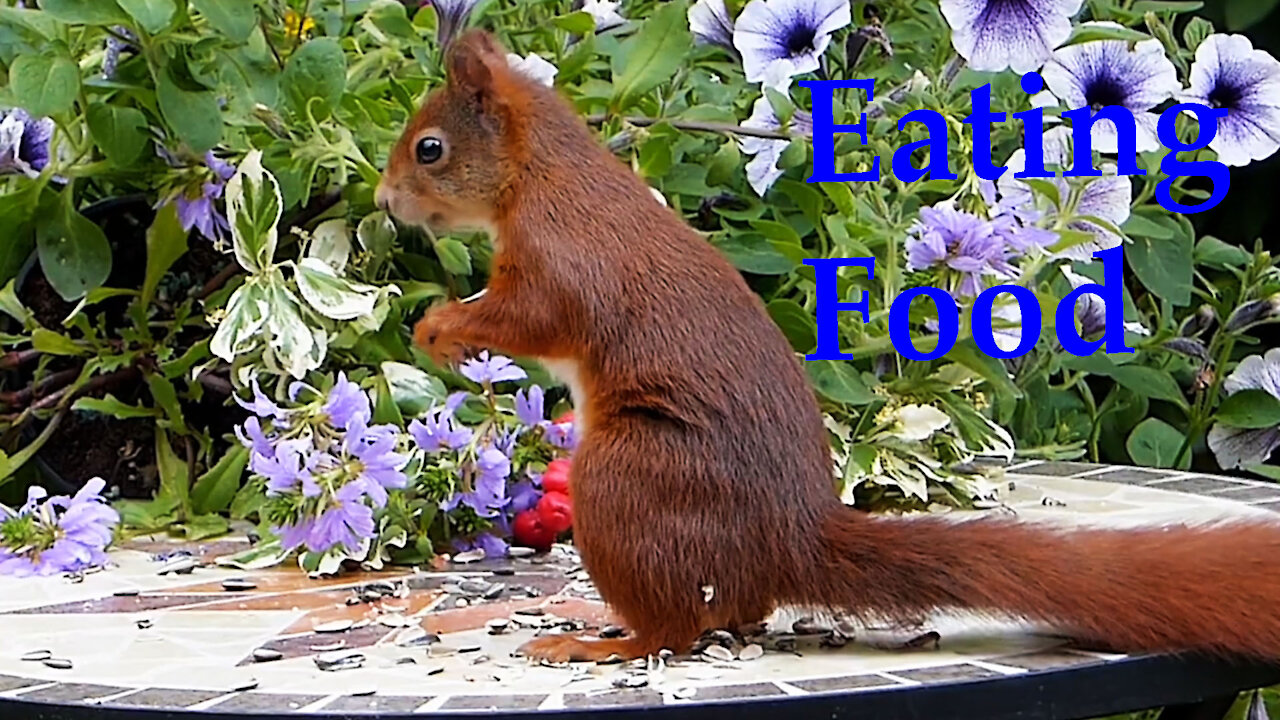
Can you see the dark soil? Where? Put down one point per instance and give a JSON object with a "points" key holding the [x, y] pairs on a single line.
{"points": [[121, 452]]}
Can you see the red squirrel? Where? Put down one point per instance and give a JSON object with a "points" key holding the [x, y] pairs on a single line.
{"points": [[703, 487]]}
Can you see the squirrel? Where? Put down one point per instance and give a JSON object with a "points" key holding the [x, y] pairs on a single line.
{"points": [[703, 487]]}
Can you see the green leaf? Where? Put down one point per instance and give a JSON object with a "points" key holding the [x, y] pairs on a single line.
{"points": [[193, 114], [175, 482], [17, 209], [166, 396], [1195, 32], [454, 256], [1163, 266], [390, 17], [653, 54], [205, 526], [86, 12], [991, 369], [755, 254], [318, 71], [235, 19], [1153, 383], [841, 195], [109, 405], [44, 84], [578, 23], [385, 410], [1139, 226], [52, 343], [254, 207], [1090, 33], [74, 253], [217, 487], [332, 296], [166, 242], [1154, 443], [121, 132], [1215, 253], [151, 15], [799, 326], [1250, 409], [1243, 14], [413, 390], [838, 381], [1270, 472]]}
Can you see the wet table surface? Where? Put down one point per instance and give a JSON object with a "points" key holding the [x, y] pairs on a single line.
{"points": [[220, 641]]}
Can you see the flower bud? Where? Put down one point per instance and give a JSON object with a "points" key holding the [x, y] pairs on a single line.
{"points": [[1203, 319], [1254, 313]]}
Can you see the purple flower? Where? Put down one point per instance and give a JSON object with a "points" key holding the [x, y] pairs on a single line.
{"points": [[524, 495], [960, 242], [779, 39], [489, 495], [253, 437], [763, 170], [711, 25], [604, 13], [262, 406], [1108, 197], [346, 524], [288, 467], [563, 435], [347, 403], [65, 534], [1104, 73], [377, 466], [451, 17], [439, 431], [25, 143], [1239, 447], [486, 371], [1229, 73], [992, 35], [492, 545], [529, 407], [198, 206]]}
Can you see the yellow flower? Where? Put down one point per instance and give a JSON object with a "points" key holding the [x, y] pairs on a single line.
{"points": [[295, 25]]}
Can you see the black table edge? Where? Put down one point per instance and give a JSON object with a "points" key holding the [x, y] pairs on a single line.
{"points": [[1076, 693]]}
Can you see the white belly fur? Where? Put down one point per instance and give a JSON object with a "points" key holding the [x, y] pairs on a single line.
{"points": [[566, 371]]}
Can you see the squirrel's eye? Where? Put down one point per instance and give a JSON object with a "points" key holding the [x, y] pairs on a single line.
{"points": [[429, 150]]}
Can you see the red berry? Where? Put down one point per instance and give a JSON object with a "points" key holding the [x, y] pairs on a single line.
{"points": [[556, 511], [556, 478], [530, 530]]}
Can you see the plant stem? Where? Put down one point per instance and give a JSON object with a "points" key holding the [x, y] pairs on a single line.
{"points": [[724, 128]]}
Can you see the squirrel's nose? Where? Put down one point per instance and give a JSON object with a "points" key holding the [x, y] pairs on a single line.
{"points": [[382, 198]]}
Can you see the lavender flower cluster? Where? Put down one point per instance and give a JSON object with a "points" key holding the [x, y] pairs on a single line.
{"points": [[59, 534], [328, 471]]}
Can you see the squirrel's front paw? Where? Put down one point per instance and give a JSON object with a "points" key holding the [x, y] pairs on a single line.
{"points": [[433, 335]]}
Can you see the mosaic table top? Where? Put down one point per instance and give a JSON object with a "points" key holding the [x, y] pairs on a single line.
{"points": [[215, 640]]}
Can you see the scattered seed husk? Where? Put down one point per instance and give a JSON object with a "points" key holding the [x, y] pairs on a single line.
{"points": [[719, 652], [807, 626], [434, 669], [521, 552], [406, 660], [630, 680], [469, 649], [531, 611], [394, 620], [751, 652], [180, 566], [266, 655], [129, 592], [340, 660], [504, 571], [495, 591], [527, 621], [144, 624], [441, 650], [363, 692], [57, 663], [465, 558], [37, 656], [238, 585], [612, 631], [684, 693], [498, 626], [336, 626], [474, 587], [246, 686], [329, 647]]}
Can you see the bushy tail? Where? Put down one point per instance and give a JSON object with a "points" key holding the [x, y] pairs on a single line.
{"points": [[1213, 589]]}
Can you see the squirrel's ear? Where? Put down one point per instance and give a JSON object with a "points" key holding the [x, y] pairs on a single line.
{"points": [[475, 60]]}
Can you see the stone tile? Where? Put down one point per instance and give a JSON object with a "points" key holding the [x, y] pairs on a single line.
{"points": [[259, 702], [71, 692], [9, 682], [1130, 476], [946, 673], [1255, 494], [733, 692], [493, 702], [614, 698], [849, 682], [165, 698], [375, 704], [1055, 468], [1203, 485], [1045, 660], [1272, 506]]}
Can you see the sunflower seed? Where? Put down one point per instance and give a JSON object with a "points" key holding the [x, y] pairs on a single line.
{"points": [[341, 660], [144, 624], [504, 571], [612, 631], [751, 652], [474, 587], [494, 591], [719, 652], [37, 656], [267, 655], [630, 681], [57, 664], [238, 585], [471, 556], [531, 611], [684, 693], [336, 626], [363, 692], [394, 621], [406, 661], [329, 647], [246, 686], [498, 626], [521, 552], [180, 566], [469, 649], [434, 669], [131, 592]]}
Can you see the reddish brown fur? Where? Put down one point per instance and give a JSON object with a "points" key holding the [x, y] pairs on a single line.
{"points": [[704, 461]]}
